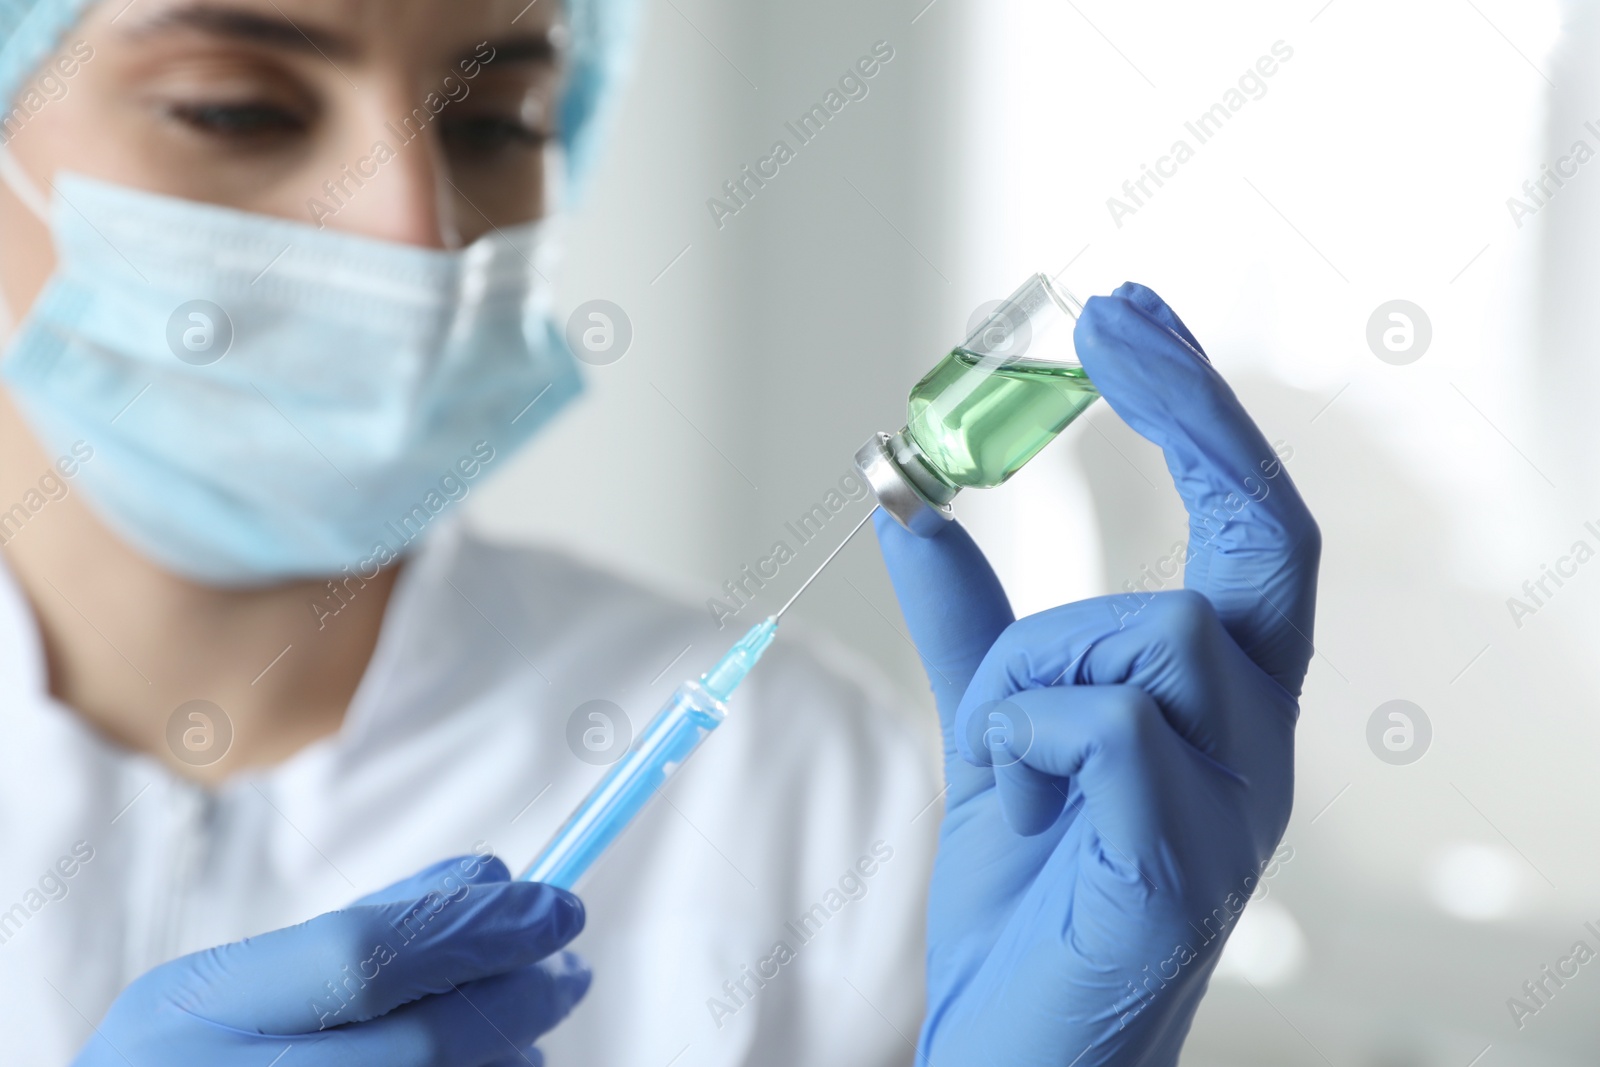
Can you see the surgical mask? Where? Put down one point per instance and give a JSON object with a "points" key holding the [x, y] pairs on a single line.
{"points": [[267, 400]]}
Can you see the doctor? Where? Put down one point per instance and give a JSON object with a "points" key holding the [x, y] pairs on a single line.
{"points": [[278, 284]]}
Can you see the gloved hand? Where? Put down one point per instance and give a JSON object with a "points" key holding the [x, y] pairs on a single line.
{"points": [[452, 966], [1119, 770]]}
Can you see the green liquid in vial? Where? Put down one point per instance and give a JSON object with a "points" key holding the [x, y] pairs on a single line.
{"points": [[978, 425]]}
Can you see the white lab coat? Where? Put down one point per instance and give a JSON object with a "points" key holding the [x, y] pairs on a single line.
{"points": [[456, 735]]}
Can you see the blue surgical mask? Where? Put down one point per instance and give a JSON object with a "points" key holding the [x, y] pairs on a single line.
{"points": [[267, 400]]}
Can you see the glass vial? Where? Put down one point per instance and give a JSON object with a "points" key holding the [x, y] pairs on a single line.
{"points": [[984, 410]]}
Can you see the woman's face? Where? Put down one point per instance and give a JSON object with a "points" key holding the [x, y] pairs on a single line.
{"points": [[418, 121]]}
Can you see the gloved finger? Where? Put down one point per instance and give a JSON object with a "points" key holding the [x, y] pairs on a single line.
{"points": [[953, 605], [1113, 744], [1030, 800], [446, 877], [1175, 649], [1146, 298], [994, 730], [1253, 546], [998, 734], [1178, 651], [475, 1024], [366, 960], [1046, 649], [1032, 787]]}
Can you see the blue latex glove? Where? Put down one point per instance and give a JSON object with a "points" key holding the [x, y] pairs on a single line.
{"points": [[457, 965], [1120, 769]]}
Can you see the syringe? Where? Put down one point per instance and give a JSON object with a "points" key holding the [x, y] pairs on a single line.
{"points": [[678, 729]]}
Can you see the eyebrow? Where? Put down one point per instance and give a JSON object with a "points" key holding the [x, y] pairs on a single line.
{"points": [[248, 26]]}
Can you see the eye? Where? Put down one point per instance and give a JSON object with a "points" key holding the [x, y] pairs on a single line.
{"points": [[487, 134], [247, 121]]}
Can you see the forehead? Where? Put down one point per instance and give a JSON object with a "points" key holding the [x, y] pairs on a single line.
{"points": [[355, 29]]}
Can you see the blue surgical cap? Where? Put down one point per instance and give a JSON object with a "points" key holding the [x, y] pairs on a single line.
{"points": [[601, 32]]}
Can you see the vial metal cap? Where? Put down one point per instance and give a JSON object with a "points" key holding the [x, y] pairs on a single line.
{"points": [[890, 465]]}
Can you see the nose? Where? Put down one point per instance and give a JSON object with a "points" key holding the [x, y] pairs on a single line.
{"points": [[395, 186]]}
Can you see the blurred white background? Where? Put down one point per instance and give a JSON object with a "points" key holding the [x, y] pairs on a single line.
{"points": [[1376, 166]]}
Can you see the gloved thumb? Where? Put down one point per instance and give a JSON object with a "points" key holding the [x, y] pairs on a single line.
{"points": [[953, 605]]}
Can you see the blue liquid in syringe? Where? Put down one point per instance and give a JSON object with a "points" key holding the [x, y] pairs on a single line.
{"points": [[687, 719]]}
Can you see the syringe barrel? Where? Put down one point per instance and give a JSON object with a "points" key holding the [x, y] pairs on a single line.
{"points": [[685, 721]]}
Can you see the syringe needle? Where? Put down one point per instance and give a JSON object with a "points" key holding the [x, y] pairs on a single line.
{"points": [[823, 565], [688, 717]]}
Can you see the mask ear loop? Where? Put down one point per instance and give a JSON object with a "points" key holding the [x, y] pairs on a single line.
{"points": [[27, 191]]}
